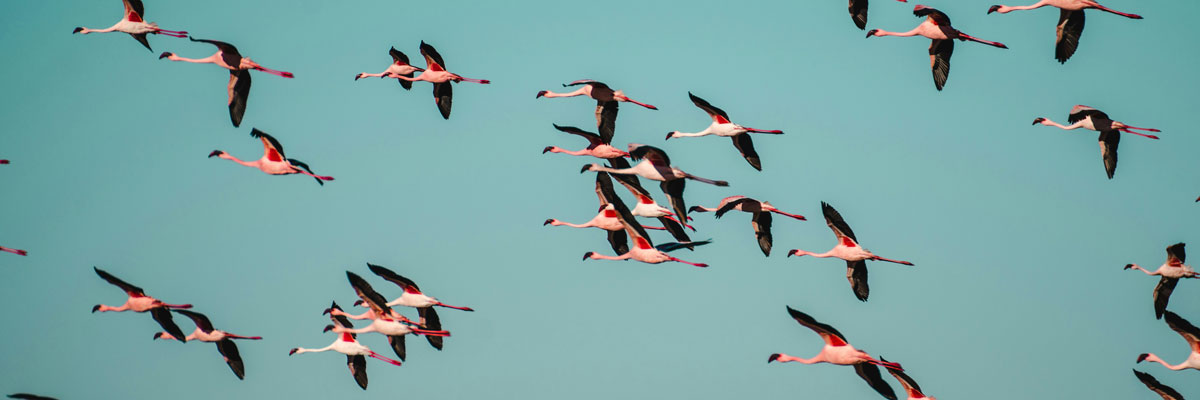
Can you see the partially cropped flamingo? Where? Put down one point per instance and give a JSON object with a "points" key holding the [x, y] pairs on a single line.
{"points": [[607, 102], [657, 166], [347, 343], [3, 162], [133, 24], [847, 249], [399, 67], [643, 249], [1171, 272], [937, 27], [206, 333], [27, 396], [858, 12], [273, 161], [139, 302], [435, 72], [18, 252], [239, 68], [761, 220], [1070, 21], [1190, 333], [1167, 392], [722, 127], [598, 146], [839, 352], [910, 386], [1110, 131]]}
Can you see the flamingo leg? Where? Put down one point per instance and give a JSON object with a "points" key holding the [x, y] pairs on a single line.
{"points": [[388, 360], [454, 307], [878, 258], [689, 263]]}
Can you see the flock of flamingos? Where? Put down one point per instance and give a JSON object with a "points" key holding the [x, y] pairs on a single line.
{"points": [[628, 238]]}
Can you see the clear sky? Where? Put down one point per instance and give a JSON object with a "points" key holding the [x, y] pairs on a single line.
{"points": [[1017, 235]]}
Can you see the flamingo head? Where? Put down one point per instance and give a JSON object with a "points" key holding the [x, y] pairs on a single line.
{"points": [[996, 8], [541, 93], [587, 255], [165, 54], [1128, 266], [158, 335], [1038, 120], [359, 76], [872, 33], [293, 351], [671, 134], [587, 167], [548, 222], [547, 149], [695, 209], [1146, 356], [773, 357], [77, 30], [798, 253], [215, 153], [328, 328]]}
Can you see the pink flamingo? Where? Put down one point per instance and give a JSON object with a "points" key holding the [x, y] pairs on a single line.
{"points": [[643, 249], [598, 146], [436, 73], [239, 68], [849, 250], [413, 297], [206, 333], [1171, 272], [1110, 131], [858, 12], [18, 252], [1190, 333], [273, 161], [1167, 392], [722, 127], [937, 27], [608, 220], [139, 302], [134, 25], [399, 67], [381, 316], [607, 102], [838, 351], [356, 353], [761, 220], [1070, 21], [656, 166]]}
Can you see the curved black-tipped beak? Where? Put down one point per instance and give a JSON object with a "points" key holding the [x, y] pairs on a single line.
{"points": [[541, 93], [77, 30], [214, 153], [96, 308], [773, 357], [1038, 121], [547, 149], [587, 255], [359, 303], [993, 9], [585, 168], [327, 311], [548, 222], [164, 54], [669, 134], [694, 208], [602, 207], [157, 335], [1143, 357], [871, 33], [356, 77], [791, 253], [1128, 266], [328, 328], [293, 351]]}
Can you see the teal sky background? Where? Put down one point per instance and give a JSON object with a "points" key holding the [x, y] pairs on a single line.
{"points": [[1017, 235]]}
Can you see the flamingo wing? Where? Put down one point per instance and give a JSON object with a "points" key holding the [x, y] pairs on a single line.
{"points": [[858, 13], [619, 241], [301, 164], [631, 181], [1167, 392], [433, 60], [1070, 27], [141, 38], [199, 319], [368, 295], [870, 373], [677, 231], [746, 146], [1162, 295], [1109, 140], [1176, 255], [397, 344], [134, 11], [836, 223], [669, 247], [341, 320], [1080, 112], [27, 396], [432, 322], [656, 155], [632, 227], [910, 386], [391, 276], [163, 316], [730, 203], [1185, 329], [762, 231], [272, 149], [856, 273], [595, 84], [592, 138], [239, 95], [674, 191], [827, 332], [718, 115], [606, 119], [398, 57], [443, 94], [939, 61], [358, 368], [229, 350], [132, 291], [229, 53], [938, 17]]}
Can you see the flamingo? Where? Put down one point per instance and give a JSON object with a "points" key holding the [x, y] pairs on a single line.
{"points": [[1110, 131], [413, 297], [1171, 272], [347, 343], [657, 166], [435, 72], [598, 146], [643, 249], [381, 316], [838, 351], [134, 24], [607, 218], [398, 68], [849, 250], [762, 216], [1190, 333], [18, 252], [607, 102], [858, 12], [1070, 22], [205, 333], [239, 68], [27, 396], [273, 161], [1165, 391], [646, 206], [937, 27], [139, 302], [722, 127], [910, 386]]}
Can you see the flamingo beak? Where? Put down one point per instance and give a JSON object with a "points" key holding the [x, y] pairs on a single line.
{"points": [[548, 221], [77, 30], [96, 308], [157, 335], [773, 357], [669, 135], [165, 54], [1038, 120], [585, 168], [1143, 357], [871, 33], [793, 252], [541, 93], [1128, 266], [547, 149], [215, 153], [993, 9], [293, 351], [328, 328], [587, 255]]}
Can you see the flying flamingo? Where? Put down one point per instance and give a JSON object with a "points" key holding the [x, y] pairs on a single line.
{"points": [[134, 25], [239, 68], [435, 72], [849, 250], [273, 161], [399, 67], [762, 216], [657, 166], [607, 102], [382, 320], [18, 252], [1110, 131], [838, 351], [355, 352], [1165, 391], [606, 219], [139, 302], [1171, 272], [643, 249], [646, 206], [910, 386], [205, 333], [413, 297], [1189, 333], [1070, 22], [722, 127], [27, 396], [937, 27], [598, 146], [858, 12]]}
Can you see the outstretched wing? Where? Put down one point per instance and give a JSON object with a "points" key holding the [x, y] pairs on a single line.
{"points": [[606, 119], [1162, 295], [239, 95], [856, 273], [619, 241], [677, 231], [939, 60], [656, 155], [1109, 140], [1079, 112], [272, 149], [134, 11], [592, 138], [163, 316], [910, 386], [669, 247], [132, 291], [397, 344], [432, 322], [391, 276], [229, 54], [433, 60], [595, 84], [27, 396], [762, 231], [933, 14], [443, 94], [1165, 391], [730, 203], [828, 333], [746, 146], [674, 191], [1176, 256], [718, 115], [858, 13], [232, 357], [368, 295], [1070, 27], [199, 319], [1185, 329], [836, 223], [398, 57], [870, 373], [358, 368], [141, 38]]}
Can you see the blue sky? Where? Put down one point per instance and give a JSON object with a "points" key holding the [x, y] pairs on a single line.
{"points": [[1017, 235]]}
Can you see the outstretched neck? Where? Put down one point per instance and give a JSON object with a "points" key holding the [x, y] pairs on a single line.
{"points": [[254, 164], [787, 358]]}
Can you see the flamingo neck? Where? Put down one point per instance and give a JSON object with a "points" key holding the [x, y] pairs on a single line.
{"points": [[1006, 9], [814, 360]]}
